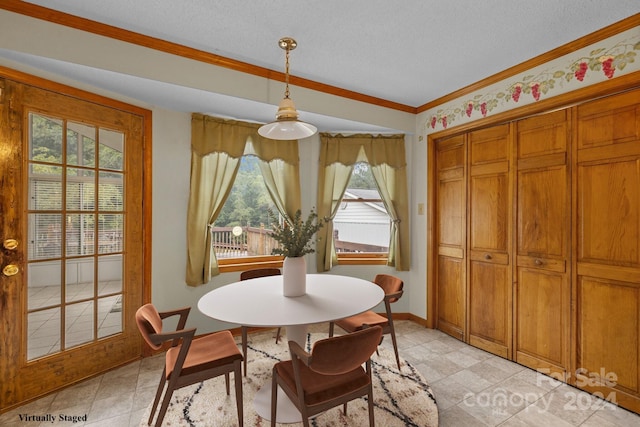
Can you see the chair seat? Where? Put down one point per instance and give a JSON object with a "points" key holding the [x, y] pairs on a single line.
{"points": [[355, 323], [320, 388], [210, 351]]}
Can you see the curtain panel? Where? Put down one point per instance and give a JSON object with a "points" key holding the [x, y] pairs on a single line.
{"points": [[217, 146], [386, 156]]}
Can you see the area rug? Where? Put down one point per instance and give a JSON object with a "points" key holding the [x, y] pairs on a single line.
{"points": [[402, 398]]}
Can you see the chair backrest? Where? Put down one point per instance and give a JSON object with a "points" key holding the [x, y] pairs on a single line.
{"points": [[344, 353], [390, 284], [149, 323], [259, 272]]}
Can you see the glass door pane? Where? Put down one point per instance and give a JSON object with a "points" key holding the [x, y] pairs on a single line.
{"points": [[76, 234]]}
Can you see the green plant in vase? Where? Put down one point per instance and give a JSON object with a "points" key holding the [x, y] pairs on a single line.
{"points": [[294, 238]]}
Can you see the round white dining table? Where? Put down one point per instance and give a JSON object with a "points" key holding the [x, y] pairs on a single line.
{"points": [[260, 302]]}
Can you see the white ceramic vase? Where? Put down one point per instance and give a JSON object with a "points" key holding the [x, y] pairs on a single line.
{"points": [[294, 277]]}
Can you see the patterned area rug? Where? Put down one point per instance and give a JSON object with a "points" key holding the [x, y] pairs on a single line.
{"points": [[401, 398]]}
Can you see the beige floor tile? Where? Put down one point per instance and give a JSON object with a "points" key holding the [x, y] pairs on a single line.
{"points": [[473, 388]]}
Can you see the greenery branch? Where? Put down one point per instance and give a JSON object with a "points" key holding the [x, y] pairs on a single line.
{"points": [[294, 237]]}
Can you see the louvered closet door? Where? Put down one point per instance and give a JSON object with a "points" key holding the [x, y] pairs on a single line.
{"points": [[608, 248], [451, 226], [542, 243], [489, 241]]}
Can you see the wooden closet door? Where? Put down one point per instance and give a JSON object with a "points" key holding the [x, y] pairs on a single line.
{"points": [[489, 297], [451, 235], [608, 248], [542, 244]]}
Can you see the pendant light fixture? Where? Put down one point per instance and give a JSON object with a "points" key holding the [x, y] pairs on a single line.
{"points": [[287, 126]]}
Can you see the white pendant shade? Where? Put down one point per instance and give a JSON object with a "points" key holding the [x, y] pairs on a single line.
{"points": [[287, 129]]}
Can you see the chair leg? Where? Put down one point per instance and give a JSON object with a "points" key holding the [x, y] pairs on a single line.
{"points": [[344, 409], [278, 335], [372, 422], [331, 326], [237, 377], [226, 383], [244, 347], [163, 380], [395, 346], [274, 397], [165, 403]]}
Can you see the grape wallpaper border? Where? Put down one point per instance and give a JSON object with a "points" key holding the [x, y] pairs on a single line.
{"points": [[599, 62]]}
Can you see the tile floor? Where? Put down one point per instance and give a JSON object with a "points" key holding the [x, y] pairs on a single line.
{"points": [[44, 325], [472, 388]]}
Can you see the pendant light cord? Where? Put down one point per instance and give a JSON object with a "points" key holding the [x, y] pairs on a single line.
{"points": [[286, 74]]}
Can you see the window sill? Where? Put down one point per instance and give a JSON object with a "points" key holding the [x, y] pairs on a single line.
{"points": [[241, 264], [363, 259]]}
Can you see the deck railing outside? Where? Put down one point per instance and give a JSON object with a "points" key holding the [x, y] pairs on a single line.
{"points": [[234, 242]]}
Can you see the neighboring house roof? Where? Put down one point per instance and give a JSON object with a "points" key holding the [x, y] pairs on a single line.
{"points": [[361, 193]]}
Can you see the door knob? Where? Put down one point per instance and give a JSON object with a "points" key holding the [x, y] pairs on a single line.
{"points": [[10, 270], [10, 244]]}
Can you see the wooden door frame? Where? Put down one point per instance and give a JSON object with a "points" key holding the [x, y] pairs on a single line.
{"points": [[146, 117], [609, 87]]}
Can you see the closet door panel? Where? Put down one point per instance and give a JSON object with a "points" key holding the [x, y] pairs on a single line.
{"points": [[608, 344], [542, 287], [489, 307], [451, 232], [489, 311], [540, 316], [609, 217], [607, 232], [451, 295]]}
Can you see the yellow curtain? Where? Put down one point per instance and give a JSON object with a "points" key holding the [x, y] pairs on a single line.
{"points": [[217, 147], [332, 183], [281, 177], [386, 156]]}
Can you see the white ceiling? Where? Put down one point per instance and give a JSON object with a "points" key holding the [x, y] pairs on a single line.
{"points": [[408, 51]]}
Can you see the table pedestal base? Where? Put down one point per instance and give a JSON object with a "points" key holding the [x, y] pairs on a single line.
{"points": [[287, 412]]}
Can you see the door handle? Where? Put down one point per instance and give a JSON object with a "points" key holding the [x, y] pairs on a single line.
{"points": [[10, 244], [10, 270]]}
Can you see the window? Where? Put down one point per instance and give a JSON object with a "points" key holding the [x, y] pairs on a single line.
{"points": [[342, 160], [242, 228], [220, 146], [361, 227]]}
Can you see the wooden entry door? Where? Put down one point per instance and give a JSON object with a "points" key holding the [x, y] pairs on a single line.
{"points": [[71, 239]]}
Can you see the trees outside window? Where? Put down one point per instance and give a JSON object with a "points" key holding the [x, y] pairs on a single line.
{"points": [[241, 229]]}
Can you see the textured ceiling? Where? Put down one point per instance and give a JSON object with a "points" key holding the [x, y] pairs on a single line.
{"points": [[409, 51]]}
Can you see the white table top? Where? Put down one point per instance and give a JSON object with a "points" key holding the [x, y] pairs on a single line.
{"points": [[260, 302]]}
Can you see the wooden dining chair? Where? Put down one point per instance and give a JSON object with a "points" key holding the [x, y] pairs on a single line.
{"points": [[252, 274], [189, 360], [392, 287], [330, 375]]}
